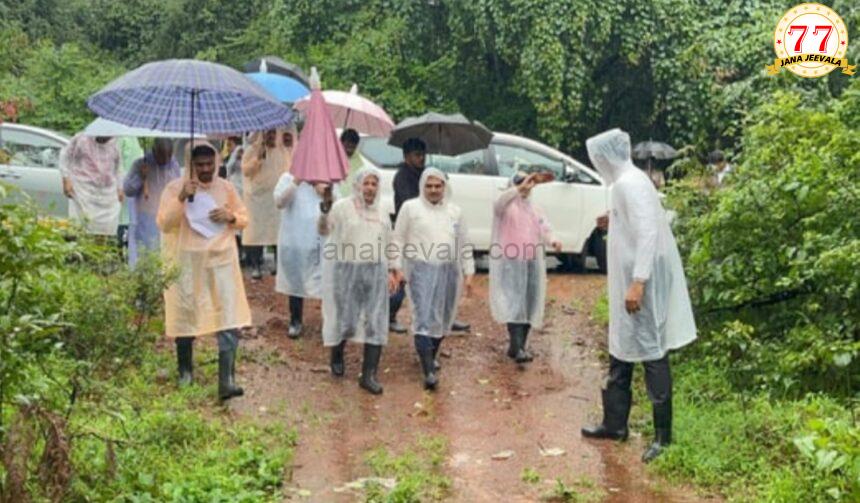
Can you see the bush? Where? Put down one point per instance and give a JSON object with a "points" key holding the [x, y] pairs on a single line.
{"points": [[771, 260], [81, 415]]}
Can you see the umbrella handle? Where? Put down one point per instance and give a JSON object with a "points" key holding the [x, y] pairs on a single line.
{"points": [[191, 150]]}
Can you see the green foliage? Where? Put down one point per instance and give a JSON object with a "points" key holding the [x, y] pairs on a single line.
{"points": [[771, 261], [686, 72], [600, 311], [82, 414], [418, 472], [751, 448], [580, 491], [55, 80]]}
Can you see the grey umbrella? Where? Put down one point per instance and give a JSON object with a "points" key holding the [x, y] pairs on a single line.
{"points": [[655, 149], [444, 134], [276, 65]]}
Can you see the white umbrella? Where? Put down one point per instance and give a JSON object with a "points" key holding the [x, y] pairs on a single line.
{"points": [[104, 127], [351, 110]]}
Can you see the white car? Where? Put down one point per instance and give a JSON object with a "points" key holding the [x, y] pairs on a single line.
{"points": [[572, 203], [30, 160]]}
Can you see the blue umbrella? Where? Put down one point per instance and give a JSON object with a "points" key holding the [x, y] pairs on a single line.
{"points": [[285, 89], [189, 96]]}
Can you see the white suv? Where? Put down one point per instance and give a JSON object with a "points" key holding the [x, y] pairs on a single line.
{"points": [[572, 202]]}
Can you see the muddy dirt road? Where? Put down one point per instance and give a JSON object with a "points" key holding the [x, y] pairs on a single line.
{"points": [[484, 405]]}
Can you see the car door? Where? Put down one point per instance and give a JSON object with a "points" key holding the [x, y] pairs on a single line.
{"points": [[561, 200], [32, 163], [475, 184]]}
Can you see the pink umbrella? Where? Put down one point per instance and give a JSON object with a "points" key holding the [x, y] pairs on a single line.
{"points": [[351, 110], [319, 156]]}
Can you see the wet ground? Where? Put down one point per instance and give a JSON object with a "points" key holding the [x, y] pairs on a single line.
{"points": [[485, 404]]}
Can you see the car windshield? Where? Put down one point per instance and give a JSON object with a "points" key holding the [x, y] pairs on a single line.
{"points": [[379, 152]]}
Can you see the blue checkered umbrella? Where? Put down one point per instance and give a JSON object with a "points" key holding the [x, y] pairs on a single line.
{"points": [[191, 97]]}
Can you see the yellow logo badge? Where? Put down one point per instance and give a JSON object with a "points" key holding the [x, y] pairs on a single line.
{"points": [[810, 41]]}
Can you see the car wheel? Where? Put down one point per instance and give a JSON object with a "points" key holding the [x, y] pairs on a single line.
{"points": [[597, 246]]}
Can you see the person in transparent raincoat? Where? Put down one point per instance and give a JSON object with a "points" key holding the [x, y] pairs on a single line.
{"points": [[262, 166], [208, 296], [356, 277], [299, 272], [433, 253], [143, 185], [649, 306], [517, 262]]}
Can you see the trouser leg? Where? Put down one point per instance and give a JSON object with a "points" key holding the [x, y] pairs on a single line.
{"points": [[658, 381], [395, 301], [296, 307], [617, 397], [254, 255]]}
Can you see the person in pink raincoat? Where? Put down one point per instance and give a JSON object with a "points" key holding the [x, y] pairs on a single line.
{"points": [[517, 262]]}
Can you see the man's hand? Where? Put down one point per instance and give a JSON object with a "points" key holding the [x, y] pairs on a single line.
{"points": [[68, 189], [603, 222], [120, 195], [467, 285], [189, 187], [633, 299], [556, 245], [222, 216]]}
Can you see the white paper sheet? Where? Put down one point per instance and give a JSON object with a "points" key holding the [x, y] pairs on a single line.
{"points": [[197, 213]]}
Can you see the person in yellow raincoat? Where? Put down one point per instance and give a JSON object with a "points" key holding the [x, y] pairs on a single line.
{"points": [[198, 217], [262, 166]]}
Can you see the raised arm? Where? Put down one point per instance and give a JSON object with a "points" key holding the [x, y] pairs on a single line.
{"points": [[504, 199], [285, 191]]}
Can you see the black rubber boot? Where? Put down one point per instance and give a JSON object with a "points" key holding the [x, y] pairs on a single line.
{"points": [[662, 431], [369, 366], [227, 388], [616, 410], [522, 356], [337, 364], [185, 360], [424, 346], [437, 343], [513, 340], [296, 307]]}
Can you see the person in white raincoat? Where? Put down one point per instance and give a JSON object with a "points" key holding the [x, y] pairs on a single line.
{"points": [[209, 295], [433, 253], [299, 257], [517, 262], [262, 166], [356, 278], [91, 180], [649, 306]]}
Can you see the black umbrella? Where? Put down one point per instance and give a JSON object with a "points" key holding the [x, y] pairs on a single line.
{"points": [[655, 149], [444, 134], [274, 64]]}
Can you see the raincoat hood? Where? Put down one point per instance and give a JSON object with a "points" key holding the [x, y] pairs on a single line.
{"points": [[609, 152], [360, 175], [201, 143], [436, 173]]}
